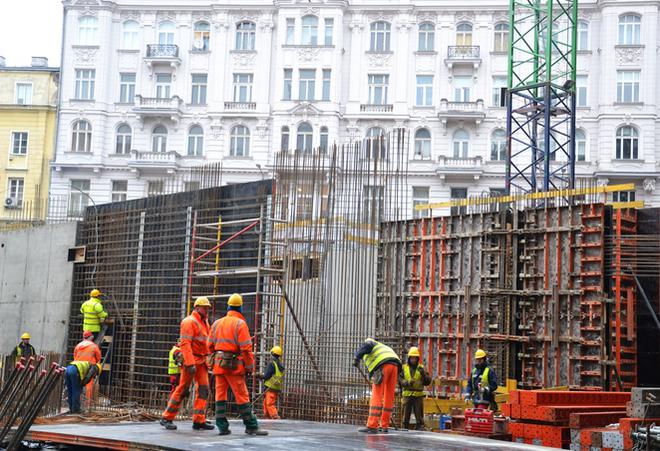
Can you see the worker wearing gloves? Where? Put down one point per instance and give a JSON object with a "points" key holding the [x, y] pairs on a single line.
{"points": [[482, 383], [231, 345], [273, 382], [383, 365], [93, 313], [194, 335], [78, 375], [413, 380], [23, 349], [174, 364]]}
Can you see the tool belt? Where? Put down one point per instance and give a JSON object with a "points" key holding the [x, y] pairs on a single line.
{"points": [[377, 376], [228, 360]]}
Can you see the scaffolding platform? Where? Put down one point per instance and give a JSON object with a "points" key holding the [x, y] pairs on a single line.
{"points": [[283, 435]]}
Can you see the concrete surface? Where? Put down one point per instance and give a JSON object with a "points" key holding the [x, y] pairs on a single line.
{"points": [[284, 435]]}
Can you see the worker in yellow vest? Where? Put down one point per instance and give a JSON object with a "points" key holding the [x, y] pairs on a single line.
{"points": [[24, 349], [175, 362], [482, 383], [273, 382], [413, 380], [93, 313], [79, 374]]}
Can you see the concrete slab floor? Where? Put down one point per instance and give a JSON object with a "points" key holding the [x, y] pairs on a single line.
{"points": [[284, 435]]}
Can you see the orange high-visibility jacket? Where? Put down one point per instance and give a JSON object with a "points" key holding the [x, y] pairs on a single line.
{"points": [[194, 335], [231, 334], [87, 351]]}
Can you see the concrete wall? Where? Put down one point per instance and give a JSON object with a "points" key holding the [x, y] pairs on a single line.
{"points": [[35, 286]]}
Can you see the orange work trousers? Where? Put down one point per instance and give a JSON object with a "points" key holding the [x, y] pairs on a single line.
{"points": [[270, 404], [238, 387], [201, 378], [382, 398]]}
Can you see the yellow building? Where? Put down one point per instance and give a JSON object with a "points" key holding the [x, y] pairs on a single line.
{"points": [[28, 114]]}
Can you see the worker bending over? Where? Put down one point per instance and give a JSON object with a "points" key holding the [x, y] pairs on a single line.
{"points": [[482, 383], [78, 375], [87, 351], [23, 349], [273, 382], [413, 381], [93, 313], [194, 335], [174, 364], [231, 345], [383, 365]]}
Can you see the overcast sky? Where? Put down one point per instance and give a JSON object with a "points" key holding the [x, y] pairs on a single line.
{"points": [[30, 28]]}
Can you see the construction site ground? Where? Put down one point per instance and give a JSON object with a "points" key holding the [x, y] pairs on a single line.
{"points": [[283, 435]]}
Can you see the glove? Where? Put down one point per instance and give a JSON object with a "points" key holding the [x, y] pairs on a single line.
{"points": [[191, 369]]}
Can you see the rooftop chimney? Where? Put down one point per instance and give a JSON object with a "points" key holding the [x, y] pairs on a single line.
{"points": [[39, 61], [3, 63]]}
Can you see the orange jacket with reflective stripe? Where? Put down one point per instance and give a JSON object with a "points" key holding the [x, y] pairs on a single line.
{"points": [[87, 351], [231, 334], [194, 335]]}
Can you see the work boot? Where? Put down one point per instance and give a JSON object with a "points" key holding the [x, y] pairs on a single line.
{"points": [[224, 432], [167, 424], [255, 432], [369, 430], [383, 430], [206, 426]]}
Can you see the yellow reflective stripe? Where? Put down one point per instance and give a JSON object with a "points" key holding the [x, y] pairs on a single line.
{"points": [[379, 353], [243, 343]]}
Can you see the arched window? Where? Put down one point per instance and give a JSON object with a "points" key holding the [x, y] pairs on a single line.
{"points": [[245, 35], [195, 141], [423, 144], [202, 36], [310, 30], [88, 28], [166, 33], [130, 35], [630, 28], [501, 37], [159, 139], [380, 36], [627, 143], [239, 145], [580, 145], [376, 143], [284, 140], [461, 144], [304, 137], [124, 137], [81, 137], [498, 145], [323, 145], [464, 34], [426, 37], [583, 35]]}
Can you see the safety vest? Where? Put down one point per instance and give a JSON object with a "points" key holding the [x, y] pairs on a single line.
{"points": [[93, 313], [416, 388], [484, 378], [87, 351], [173, 367], [275, 381], [83, 368], [379, 353]]}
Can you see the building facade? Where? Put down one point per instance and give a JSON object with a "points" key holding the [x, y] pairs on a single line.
{"points": [[28, 115], [150, 88]]}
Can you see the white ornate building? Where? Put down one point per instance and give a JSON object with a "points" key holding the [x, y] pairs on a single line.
{"points": [[150, 87]]}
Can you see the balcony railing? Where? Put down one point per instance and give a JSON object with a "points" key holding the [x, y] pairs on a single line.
{"points": [[162, 51], [158, 102], [459, 162], [462, 107], [374, 108], [154, 159], [241, 106], [463, 52]]}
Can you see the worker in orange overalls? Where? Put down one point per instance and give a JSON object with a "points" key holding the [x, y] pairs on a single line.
{"points": [[87, 351], [231, 345], [273, 382], [193, 339]]}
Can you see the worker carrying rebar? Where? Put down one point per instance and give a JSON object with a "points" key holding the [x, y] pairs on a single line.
{"points": [[383, 365], [93, 313], [23, 349], [413, 380], [273, 381], [78, 375], [87, 350], [482, 383], [231, 345], [193, 339], [174, 364]]}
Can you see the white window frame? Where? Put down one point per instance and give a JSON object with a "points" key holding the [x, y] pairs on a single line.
{"points": [[376, 144], [246, 36], [324, 139], [423, 145], [88, 33], [243, 87], [28, 92], [201, 36], [633, 143], [239, 143], [81, 138], [195, 141], [623, 196], [628, 80], [464, 32], [424, 90], [127, 88], [580, 145], [163, 85], [305, 138], [499, 82], [630, 29], [380, 36], [501, 37], [199, 88], [166, 32], [287, 87], [373, 197], [155, 188], [290, 31], [85, 81], [310, 30], [23, 144], [159, 139], [307, 86], [16, 190], [582, 91], [461, 145], [462, 88], [123, 140], [130, 37], [420, 196], [498, 145], [117, 194], [327, 79], [328, 30], [285, 138], [426, 37], [378, 88], [582, 36], [78, 201]]}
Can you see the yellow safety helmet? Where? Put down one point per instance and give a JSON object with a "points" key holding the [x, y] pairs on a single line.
{"points": [[277, 350], [202, 301], [25, 336], [413, 352], [235, 300], [95, 293], [480, 354]]}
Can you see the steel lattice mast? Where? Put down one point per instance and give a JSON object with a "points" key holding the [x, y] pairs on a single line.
{"points": [[541, 96]]}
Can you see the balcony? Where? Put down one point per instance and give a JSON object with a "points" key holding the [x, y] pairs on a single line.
{"points": [[474, 111], [376, 108], [463, 55], [162, 54], [157, 161], [240, 106], [457, 166], [169, 107]]}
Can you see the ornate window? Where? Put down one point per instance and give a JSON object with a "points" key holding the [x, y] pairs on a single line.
{"points": [[461, 144], [426, 37], [123, 141], [630, 28], [245, 35], [88, 28], [501, 37], [423, 144], [304, 138], [310, 30], [583, 35], [159, 139], [196, 141], [81, 137], [166, 33], [464, 34], [130, 35], [376, 143], [580, 145], [202, 36], [239, 145], [498, 145], [323, 145], [380, 36], [284, 140], [627, 143]]}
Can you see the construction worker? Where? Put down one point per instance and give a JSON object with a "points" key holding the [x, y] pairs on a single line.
{"points": [[383, 365], [193, 341], [174, 364], [273, 382], [482, 383], [23, 349], [413, 380], [93, 313], [79, 374], [87, 350], [231, 345]]}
